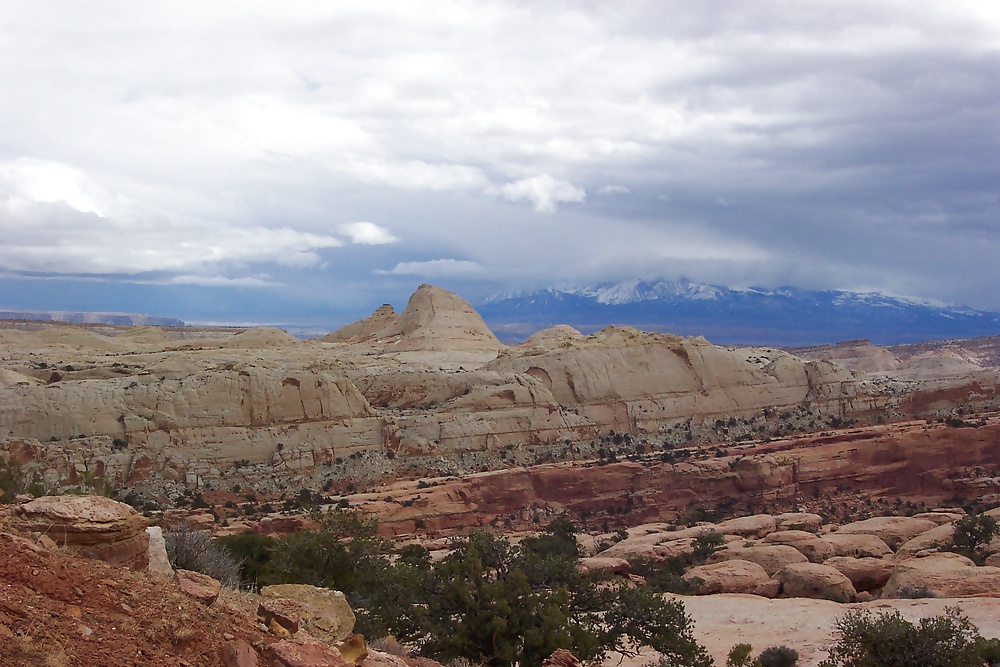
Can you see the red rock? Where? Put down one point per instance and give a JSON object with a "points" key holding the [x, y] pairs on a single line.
{"points": [[731, 576], [306, 652], [866, 574], [200, 586], [283, 612], [561, 658], [239, 654], [810, 546], [769, 589]]}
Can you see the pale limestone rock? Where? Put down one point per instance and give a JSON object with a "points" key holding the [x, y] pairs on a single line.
{"points": [[323, 613], [159, 562]]}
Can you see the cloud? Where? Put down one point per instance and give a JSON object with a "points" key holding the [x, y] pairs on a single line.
{"points": [[613, 190], [222, 281], [544, 192], [367, 233], [437, 268]]}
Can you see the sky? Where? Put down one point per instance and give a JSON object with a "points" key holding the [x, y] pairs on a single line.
{"points": [[256, 161]]}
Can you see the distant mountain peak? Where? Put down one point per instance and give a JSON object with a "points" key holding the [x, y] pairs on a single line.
{"points": [[782, 316]]}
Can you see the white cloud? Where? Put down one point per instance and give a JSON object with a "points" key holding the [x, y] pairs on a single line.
{"points": [[544, 192], [613, 190], [367, 233], [437, 268], [222, 281]]}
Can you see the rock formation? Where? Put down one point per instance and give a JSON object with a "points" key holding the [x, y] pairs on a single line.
{"points": [[93, 526]]}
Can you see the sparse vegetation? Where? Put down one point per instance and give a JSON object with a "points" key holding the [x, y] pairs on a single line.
{"points": [[778, 656], [973, 535], [191, 549], [888, 640]]}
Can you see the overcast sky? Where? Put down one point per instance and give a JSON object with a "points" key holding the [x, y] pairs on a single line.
{"points": [[266, 161]]}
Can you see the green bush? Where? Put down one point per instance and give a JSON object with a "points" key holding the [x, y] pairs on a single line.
{"points": [[972, 536], [888, 640], [741, 655]]}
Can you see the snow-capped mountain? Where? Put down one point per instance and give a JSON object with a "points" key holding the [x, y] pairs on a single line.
{"points": [[784, 316]]}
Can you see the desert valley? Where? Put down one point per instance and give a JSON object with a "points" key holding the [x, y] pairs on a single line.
{"points": [[830, 477]]}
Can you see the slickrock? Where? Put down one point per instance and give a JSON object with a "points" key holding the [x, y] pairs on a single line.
{"points": [[866, 574], [813, 580], [323, 613], [93, 526], [799, 521], [384, 316], [857, 545], [437, 320], [731, 576], [812, 547], [945, 575], [558, 333], [757, 525], [934, 538], [771, 557], [940, 517], [894, 530], [201, 587]]}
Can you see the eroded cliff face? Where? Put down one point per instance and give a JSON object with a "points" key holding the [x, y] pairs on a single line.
{"points": [[133, 406]]}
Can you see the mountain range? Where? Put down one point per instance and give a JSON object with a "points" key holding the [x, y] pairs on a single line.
{"points": [[785, 316]]}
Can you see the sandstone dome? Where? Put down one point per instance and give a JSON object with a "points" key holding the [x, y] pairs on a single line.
{"points": [[552, 335], [384, 316], [438, 320]]}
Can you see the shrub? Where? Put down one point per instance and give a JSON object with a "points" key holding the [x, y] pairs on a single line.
{"points": [[740, 655], [889, 640], [972, 536], [189, 549], [778, 656], [915, 593]]}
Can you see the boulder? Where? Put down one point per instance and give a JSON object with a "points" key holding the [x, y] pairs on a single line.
{"points": [[279, 611], [943, 574], [239, 654], [757, 525], [935, 538], [92, 526], [866, 574], [304, 651], [857, 545], [159, 562], [814, 580], [771, 557], [731, 576], [201, 587], [894, 530], [799, 521], [940, 518], [353, 649], [808, 544], [323, 613]]}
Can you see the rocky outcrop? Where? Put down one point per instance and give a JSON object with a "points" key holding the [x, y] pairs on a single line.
{"points": [[799, 521], [383, 317], [201, 587], [893, 530], [771, 557], [757, 525], [809, 545], [731, 576], [322, 612], [93, 526], [942, 574], [857, 545], [866, 574], [813, 580]]}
